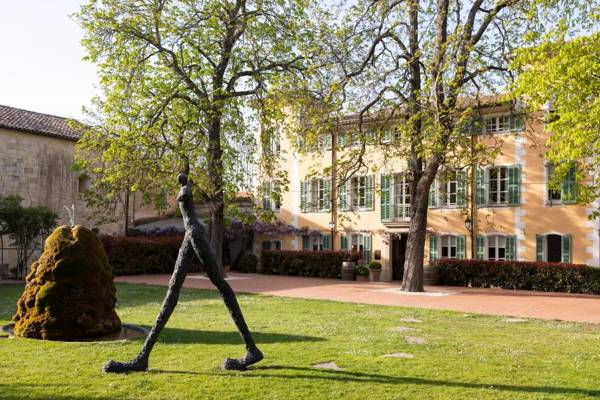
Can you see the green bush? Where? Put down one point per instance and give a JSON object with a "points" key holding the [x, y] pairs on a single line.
{"points": [[143, 255], [321, 264], [375, 265], [248, 263], [540, 276], [362, 271]]}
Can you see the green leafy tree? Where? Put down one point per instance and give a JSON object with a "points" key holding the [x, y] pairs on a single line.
{"points": [[183, 84], [25, 226], [410, 65], [563, 77]]}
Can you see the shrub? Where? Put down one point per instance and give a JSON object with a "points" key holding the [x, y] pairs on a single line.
{"points": [[143, 254], [375, 265], [321, 264], [540, 276], [248, 263], [362, 271]]}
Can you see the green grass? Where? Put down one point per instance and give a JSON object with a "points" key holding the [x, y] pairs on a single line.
{"points": [[465, 355]]}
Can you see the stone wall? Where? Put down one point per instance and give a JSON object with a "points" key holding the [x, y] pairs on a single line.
{"points": [[38, 168]]}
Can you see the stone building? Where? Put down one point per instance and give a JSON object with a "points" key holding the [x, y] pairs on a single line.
{"points": [[36, 155]]}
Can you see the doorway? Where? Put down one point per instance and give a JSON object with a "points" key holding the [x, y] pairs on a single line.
{"points": [[554, 248], [398, 250]]}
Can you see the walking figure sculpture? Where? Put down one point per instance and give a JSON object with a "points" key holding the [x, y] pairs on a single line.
{"points": [[194, 241]]}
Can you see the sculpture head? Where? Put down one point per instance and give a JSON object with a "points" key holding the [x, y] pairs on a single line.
{"points": [[185, 192]]}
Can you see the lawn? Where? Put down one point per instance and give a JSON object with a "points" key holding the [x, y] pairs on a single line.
{"points": [[463, 355]]}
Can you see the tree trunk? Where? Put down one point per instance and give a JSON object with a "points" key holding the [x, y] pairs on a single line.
{"points": [[215, 176], [413, 264]]}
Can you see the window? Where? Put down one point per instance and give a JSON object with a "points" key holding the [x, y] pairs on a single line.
{"points": [[324, 142], [401, 198], [553, 248], [498, 185], [83, 183], [497, 124], [319, 242], [358, 242], [448, 246], [566, 193], [449, 189], [358, 187], [271, 244], [271, 200], [495, 247], [315, 195]]}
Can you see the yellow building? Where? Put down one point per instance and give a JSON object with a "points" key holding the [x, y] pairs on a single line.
{"points": [[515, 214]]}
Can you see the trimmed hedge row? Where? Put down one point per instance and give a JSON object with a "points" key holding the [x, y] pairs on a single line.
{"points": [[540, 276], [321, 264], [143, 255]]}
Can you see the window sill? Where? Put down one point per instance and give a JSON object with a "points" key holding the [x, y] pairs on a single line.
{"points": [[498, 205]]}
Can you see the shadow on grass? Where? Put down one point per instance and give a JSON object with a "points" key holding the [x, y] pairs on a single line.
{"points": [[191, 336], [313, 374]]}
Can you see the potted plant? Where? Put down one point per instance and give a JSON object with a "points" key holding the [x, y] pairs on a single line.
{"points": [[362, 274], [374, 271]]}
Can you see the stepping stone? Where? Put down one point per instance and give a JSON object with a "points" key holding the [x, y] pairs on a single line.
{"points": [[514, 320], [413, 320], [328, 365], [414, 340], [402, 329], [398, 355]]}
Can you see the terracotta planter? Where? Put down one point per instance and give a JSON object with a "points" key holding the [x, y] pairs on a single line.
{"points": [[361, 278], [374, 275]]}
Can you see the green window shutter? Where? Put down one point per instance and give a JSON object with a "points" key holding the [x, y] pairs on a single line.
{"points": [[480, 187], [342, 139], [568, 194], [367, 248], [385, 198], [266, 245], [369, 183], [433, 248], [326, 242], [433, 194], [343, 242], [480, 247], [461, 189], [386, 136], [460, 246], [327, 194], [514, 185], [517, 123], [343, 190], [304, 196], [540, 243], [511, 247], [566, 248], [305, 242]]}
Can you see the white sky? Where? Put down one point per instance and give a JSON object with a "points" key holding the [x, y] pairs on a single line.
{"points": [[41, 67]]}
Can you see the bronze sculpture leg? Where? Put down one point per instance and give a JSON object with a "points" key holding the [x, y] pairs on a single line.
{"points": [[194, 241]]}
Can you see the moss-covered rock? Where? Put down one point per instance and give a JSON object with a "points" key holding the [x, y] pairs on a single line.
{"points": [[69, 293]]}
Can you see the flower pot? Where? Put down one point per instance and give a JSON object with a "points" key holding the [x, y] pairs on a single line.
{"points": [[362, 278], [430, 276], [374, 275]]}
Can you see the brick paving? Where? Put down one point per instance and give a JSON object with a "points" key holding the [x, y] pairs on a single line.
{"points": [[510, 303]]}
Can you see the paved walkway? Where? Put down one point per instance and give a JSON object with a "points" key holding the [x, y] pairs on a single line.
{"points": [[514, 303]]}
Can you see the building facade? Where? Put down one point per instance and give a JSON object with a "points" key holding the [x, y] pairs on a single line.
{"points": [[504, 210]]}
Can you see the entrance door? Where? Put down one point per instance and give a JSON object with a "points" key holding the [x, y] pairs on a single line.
{"points": [[554, 248], [398, 246]]}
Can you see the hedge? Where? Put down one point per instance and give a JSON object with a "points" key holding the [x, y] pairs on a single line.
{"points": [[143, 255], [321, 264], [540, 276]]}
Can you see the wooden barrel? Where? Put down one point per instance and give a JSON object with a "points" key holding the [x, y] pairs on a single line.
{"points": [[430, 276], [348, 268]]}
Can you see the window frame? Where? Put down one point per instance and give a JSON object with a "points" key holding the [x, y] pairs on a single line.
{"points": [[498, 186]]}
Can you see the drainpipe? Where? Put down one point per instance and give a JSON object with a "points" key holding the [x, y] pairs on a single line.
{"points": [[473, 208], [333, 187]]}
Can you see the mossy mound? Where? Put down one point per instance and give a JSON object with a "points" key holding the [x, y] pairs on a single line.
{"points": [[69, 293]]}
